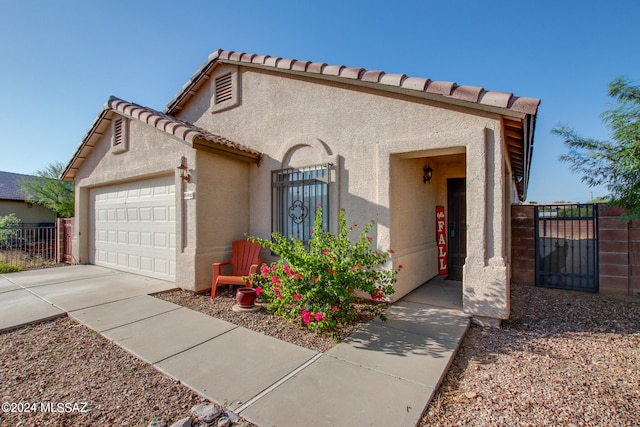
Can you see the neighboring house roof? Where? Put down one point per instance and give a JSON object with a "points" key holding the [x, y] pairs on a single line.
{"points": [[195, 136], [10, 188], [519, 113]]}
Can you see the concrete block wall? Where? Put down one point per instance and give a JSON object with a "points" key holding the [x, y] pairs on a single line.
{"points": [[618, 243], [523, 245]]}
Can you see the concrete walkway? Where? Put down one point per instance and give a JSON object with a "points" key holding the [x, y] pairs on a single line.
{"points": [[384, 374]]}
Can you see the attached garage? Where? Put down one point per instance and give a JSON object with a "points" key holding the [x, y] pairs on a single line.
{"points": [[134, 227]]}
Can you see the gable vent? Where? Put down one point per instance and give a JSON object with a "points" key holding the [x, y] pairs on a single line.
{"points": [[224, 88], [118, 132]]}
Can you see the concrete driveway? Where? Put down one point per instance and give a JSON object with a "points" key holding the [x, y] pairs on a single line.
{"points": [[34, 296]]}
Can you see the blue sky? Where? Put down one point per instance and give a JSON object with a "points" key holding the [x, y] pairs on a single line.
{"points": [[61, 60]]}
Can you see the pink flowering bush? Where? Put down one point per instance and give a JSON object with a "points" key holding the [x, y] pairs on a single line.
{"points": [[317, 285]]}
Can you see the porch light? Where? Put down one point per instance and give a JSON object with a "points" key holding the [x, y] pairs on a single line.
{"points": [[428, 174], [183, 171]]}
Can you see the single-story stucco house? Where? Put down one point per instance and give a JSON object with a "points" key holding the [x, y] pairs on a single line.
{"points": [[14, 201], [252, 144]]}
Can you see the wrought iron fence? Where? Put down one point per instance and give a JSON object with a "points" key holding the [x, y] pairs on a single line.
{"points": [[28, 245], [567, 246]]}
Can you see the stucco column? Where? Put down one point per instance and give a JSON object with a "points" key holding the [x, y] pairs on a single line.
{"points": [[485, 284]]}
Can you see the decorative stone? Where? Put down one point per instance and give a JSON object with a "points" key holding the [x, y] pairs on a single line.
{"points": [[223, 421], [157, 423], [205, 412], [184, 422], [235, 418]]}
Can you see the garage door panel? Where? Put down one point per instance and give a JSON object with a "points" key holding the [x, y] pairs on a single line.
{"points": [[134, 227]]}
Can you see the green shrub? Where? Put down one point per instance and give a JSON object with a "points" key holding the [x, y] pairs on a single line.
{"points": [[317, 285], [9, 268]]}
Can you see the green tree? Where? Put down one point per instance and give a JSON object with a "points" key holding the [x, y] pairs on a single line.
{"points": [[614, 164], [47, 189], [8, 229]]}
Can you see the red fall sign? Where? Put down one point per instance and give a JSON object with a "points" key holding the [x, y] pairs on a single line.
{"points": [[441, 232]]}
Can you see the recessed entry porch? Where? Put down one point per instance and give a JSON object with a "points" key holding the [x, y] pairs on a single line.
{"points": [[438, 292], [428, 224]]}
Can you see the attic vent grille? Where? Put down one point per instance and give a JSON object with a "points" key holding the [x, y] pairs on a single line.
{"points": [[118, 132], [224, 88]]}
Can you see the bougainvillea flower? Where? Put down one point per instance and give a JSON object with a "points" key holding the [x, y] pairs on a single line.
{"points": [[319, 317], [258, 290], [275, 279], [306, 317], [297, 296], [298, 276]]}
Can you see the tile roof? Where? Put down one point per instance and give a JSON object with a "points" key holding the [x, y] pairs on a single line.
{"points": [[10, 186], [444, 91], [176, 127], [194, 135], [518, 113]]}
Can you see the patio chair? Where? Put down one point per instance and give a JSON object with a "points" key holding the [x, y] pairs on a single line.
{"points": [[245, 261]]}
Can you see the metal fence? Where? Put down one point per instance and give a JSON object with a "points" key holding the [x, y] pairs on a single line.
{"points": [[28, 245], [567, 246]]}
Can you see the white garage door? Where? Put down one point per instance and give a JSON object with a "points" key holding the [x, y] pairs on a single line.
{"points": [[134, 227]]}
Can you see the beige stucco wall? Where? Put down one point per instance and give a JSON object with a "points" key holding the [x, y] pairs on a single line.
{"points": [[205, 223], [222, 211], [26, 212], [379, 142]]}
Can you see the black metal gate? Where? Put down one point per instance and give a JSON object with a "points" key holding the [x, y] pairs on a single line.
{"points": [[567, 246]]}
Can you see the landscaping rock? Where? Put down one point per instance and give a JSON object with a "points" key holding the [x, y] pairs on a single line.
{"points": [[184, 422], [158, 423], [205, 412], [223, 421], [235, 418]]}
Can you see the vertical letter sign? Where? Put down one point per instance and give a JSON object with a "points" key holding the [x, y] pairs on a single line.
{"points": [[442, 243]]}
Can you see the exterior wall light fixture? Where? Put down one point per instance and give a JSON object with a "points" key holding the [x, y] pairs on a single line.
{"points": [[183, 171], [428, 174]]}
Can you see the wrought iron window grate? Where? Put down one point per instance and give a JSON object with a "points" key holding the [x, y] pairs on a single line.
{"points": [[297, 192]]}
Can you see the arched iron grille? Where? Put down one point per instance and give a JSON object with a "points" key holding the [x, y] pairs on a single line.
{"points": [[297, 192]]}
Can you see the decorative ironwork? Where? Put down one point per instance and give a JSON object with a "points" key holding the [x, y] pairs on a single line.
{"points": [[297, 192], [567, 246], [298, 212]]}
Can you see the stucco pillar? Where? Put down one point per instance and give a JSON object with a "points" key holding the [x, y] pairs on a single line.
{"points": [[485, 281]]}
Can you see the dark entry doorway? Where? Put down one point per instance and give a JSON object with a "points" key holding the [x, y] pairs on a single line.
{"points": [[457, 226]]}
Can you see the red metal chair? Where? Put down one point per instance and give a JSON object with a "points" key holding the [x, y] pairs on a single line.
{"points": [[245, 261]]}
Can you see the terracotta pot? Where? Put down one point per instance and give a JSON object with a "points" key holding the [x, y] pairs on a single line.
{"points": [[246, 297]]}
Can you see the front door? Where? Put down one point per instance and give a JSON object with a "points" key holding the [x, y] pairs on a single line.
{"points": [[457, 228]]}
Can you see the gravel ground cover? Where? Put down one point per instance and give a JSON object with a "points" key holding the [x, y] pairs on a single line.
{"points": [[81, 379], [263, 321], [563, 359]]}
